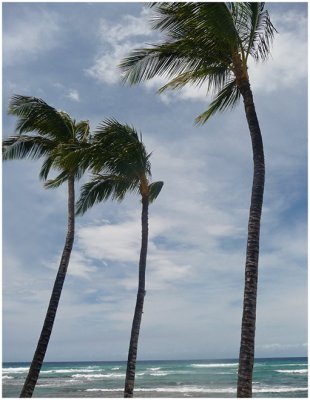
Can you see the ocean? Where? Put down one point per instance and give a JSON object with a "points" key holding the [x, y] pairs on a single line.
{"points": [[273, 377]]}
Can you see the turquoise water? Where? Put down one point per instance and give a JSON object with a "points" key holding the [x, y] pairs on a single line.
{"points": [[273, 377]]}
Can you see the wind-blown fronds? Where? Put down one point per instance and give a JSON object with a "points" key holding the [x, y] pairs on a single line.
{"points": [[25, 146], [101, 188], [58, 181], [57, 135], [34, 115], [204, 42], [154, 190], [123, 151], [120, 164], [227, 97]]}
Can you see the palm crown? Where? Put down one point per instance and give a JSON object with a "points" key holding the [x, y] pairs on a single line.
{"points": [[54, 131], [205, 42], [119, 162]]}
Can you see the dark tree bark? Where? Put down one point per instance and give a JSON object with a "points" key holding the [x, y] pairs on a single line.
{"points": [[133, 346], [247, 346], [39, 354]]}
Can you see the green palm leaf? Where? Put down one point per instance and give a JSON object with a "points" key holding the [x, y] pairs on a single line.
{"points": [[227, 97], [154, 190], [120, 163], [58, 181], [36, 115], [57, 135], [25, 146], [204, 42], [101, 188]]}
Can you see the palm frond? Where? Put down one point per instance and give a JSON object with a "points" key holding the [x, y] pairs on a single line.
{"points": [[25, 146], [172, 58], [216, 77], [82, 131], [227, 97], [154, 190], [46, 167], [101, 188], [210, 19], [34, 115], [256, 28], [119, 149], [58, 181]]}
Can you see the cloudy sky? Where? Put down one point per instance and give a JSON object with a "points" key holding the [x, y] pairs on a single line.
{"points": [[67, 54]]}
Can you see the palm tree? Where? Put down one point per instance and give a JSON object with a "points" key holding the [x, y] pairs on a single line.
{"points": [[212, 42], [126, 168], [53, 130]]}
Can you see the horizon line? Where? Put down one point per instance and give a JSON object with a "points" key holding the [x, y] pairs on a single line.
{"points": [[154, 360]]}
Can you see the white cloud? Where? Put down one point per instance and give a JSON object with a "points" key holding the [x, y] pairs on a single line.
{"points": [[105, 68], [34, 34], [79, 265], [99, 242], [116, 42], [73, 95], [279, 346]]}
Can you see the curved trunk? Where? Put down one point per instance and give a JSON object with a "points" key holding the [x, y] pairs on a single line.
{"points": [[133, 346], [246, 356], [39, 354]]}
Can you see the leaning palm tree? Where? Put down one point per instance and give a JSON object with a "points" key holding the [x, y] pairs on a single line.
{"points": [[125, 167], [212, 43], [52, 131]]}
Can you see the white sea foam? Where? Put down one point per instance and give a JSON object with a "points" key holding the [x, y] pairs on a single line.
{"points": [[184, 389], [92, 376], [159, 373], [154, 369], [7, 377], [104, 390], [286, 365], [115, 368], [293, 371], [279, 389], [19, 370], [225, 373], [213, 365], [69, 371], [199, 389]]}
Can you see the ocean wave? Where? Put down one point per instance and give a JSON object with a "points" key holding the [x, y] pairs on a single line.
{"points": [[184, 389], [160, 373], [68, 371], [279, 389], [225, 373], [104, 390], [199, 389], [213, 365], [154, 369], [292, 371], [305, 364], [91, 376], [7, 377], [115, 368], [19, 370]]}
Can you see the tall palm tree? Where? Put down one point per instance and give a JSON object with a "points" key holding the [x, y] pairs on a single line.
{"points": [[53, 130], [212, 42], [126, 168]]}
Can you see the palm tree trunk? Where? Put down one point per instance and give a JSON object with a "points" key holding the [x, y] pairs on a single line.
{"points": [[39, 354], [133, 347], [247, 346]]}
